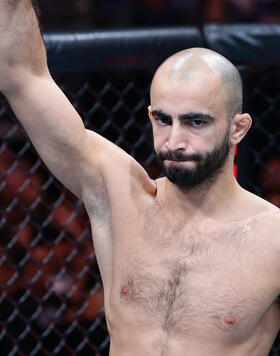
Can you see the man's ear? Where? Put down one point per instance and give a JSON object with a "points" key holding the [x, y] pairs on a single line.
{"points": [[150, 112], [240, 125]]}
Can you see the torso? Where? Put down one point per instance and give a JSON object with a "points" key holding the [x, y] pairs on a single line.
{"points": [[177, 288]]}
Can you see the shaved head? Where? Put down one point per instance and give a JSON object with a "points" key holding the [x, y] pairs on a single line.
{"points": [[192, 63]]}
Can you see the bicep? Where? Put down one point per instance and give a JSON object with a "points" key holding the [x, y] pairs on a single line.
{"points": [[55, 129], [81, 159]]}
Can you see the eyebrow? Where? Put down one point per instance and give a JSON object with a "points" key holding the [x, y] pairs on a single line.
{"points": [[162, 114], [196, 115], [192, 115]]}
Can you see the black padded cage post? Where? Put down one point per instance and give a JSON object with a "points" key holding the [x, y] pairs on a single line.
{"points": [[51, 300]]}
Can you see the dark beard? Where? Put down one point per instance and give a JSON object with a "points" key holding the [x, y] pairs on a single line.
{"points": [[207, 168]]}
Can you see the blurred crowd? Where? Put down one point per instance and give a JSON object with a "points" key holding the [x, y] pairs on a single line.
{"points": [[41, 245], [86, 14], [269, 180], [49, 272]]}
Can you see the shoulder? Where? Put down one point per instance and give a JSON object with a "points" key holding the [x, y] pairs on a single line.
{"points": [[263, 222], [272, 221], [257, 206], [263, 216], [267, 227], [269, 230], [120, 173]]}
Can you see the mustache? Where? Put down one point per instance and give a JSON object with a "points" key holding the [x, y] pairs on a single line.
{"points": [[178, 156]]}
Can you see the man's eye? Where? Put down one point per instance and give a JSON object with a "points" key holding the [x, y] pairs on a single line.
{"points": [[162, 120], [197, 123]]}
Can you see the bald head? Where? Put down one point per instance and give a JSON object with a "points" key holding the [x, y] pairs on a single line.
{"points": [[194, 62]]}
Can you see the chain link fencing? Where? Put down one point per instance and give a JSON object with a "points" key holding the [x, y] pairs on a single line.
{"points": [[51, 299]]}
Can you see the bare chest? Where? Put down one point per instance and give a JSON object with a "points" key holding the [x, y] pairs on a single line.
{"points": [[189, 280]]}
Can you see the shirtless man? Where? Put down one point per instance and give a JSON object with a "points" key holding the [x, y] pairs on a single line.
{"points": [[190, 262]]}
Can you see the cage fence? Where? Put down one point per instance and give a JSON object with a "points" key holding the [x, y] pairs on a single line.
{"points": [[51, 299]]}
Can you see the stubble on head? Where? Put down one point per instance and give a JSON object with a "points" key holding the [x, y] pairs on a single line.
{"points": [[189, 65]]}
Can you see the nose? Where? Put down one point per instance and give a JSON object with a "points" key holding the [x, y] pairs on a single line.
{"points": [[177, 138]]}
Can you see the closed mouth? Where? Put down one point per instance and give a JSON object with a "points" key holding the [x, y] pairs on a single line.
{"points": [[179, 160]]}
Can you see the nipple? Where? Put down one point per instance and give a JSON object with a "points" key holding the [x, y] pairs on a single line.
{"points": [[230, 320], [126, 291]]}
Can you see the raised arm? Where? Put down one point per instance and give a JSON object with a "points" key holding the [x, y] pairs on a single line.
{"points": [[77, 157], [54, 127]]}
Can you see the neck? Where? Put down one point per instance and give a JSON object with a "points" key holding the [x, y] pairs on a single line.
{"points": [[212, 199]]}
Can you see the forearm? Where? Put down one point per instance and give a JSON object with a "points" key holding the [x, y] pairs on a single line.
{"points": [[21, 47]]}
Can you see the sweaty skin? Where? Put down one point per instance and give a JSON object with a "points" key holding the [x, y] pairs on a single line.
{"points": [[185, 271]]}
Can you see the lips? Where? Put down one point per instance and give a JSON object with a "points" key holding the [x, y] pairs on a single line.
{"points": [[180, 160]]}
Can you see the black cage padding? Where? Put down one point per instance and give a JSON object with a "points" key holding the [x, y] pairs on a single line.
{"points": [[83, 51], [51, 299], [257, 44], [122, 49]]}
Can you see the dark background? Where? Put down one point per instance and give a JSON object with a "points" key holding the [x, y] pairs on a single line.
{"points": [[92, 14], [51, 296]]}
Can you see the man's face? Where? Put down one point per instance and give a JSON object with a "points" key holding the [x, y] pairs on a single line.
{"points": [[190, 127], [207, 166]]}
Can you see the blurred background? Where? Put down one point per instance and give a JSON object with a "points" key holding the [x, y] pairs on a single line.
{"points": [[85, 14], [51, 296]]}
